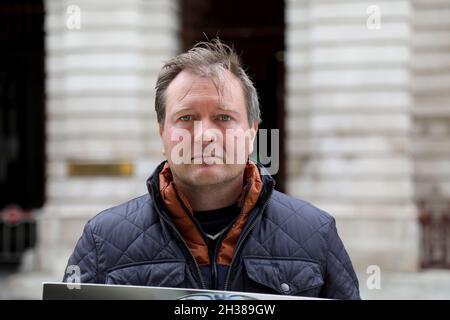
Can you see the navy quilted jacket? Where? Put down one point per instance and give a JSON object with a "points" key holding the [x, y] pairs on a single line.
{"points": [[288, 246]]}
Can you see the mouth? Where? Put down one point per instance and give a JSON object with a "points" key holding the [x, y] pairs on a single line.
{"points": [[202, 158]]}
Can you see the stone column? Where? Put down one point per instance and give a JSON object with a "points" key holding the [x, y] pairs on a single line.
{"points": [[349, 124], [431, 65], [100, 108]]}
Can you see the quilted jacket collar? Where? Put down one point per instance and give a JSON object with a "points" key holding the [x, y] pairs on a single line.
{"points": [[172, 201]]}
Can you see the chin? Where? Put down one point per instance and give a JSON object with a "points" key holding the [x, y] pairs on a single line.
{"points": [[207, 174], [202, 175]]}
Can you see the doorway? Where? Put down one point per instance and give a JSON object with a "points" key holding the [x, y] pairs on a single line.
{"points": [[22, 124], [256, 30]]}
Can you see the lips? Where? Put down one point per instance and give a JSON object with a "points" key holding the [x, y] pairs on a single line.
{"points": [[204, 157], [201, 156]]}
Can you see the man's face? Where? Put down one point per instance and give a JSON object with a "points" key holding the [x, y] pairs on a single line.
{"points": [[215, 120]]}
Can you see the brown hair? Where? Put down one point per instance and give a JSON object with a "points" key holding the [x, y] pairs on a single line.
{"points": [[207, 59]]}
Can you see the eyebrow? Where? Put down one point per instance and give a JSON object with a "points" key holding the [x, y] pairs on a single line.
{"points": [[221, 107], [184, 109]]}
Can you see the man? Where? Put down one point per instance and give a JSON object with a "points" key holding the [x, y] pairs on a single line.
{"points": [[210, 221]]}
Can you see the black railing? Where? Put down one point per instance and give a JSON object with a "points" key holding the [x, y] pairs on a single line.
{"points": [[435, 236], [17, 233]]}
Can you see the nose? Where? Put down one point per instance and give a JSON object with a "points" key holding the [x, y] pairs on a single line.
{"points": [[205, 132]]}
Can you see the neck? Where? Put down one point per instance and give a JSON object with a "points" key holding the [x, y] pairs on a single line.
{"points": [[213, 196]]}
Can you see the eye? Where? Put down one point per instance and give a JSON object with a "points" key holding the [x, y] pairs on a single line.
{"points": [[224, 117], [186, 118]]}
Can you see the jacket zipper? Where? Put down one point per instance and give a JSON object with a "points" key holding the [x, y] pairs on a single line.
{"points": [[218, 243], [197, 224], [199, 273], [214, 265], [243, 238], [214, 258]]}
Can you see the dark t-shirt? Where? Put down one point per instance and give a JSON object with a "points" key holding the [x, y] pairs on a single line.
{"points": [[215, 222]]}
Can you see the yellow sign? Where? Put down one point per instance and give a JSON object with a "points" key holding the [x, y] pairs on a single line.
{"points": [[95, 169]]}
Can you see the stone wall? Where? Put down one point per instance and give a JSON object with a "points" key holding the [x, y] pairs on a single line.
{"points": [[350, 121], [431, 85]]}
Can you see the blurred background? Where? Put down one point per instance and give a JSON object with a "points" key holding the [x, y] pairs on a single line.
{"points": [[360, 91]]}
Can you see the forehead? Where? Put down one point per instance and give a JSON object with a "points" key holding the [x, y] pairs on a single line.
{"points": [[188, 87]]}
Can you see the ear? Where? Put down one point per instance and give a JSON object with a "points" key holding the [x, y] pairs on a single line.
{"points": [[161, 132], [161, 129], [254, 132]]}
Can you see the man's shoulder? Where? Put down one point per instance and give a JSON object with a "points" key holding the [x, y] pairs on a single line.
{"points": [[132, 211], [283, 206]]}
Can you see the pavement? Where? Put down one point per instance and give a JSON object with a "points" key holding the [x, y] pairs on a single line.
{"points": [[429, 284], [433, 284]]}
